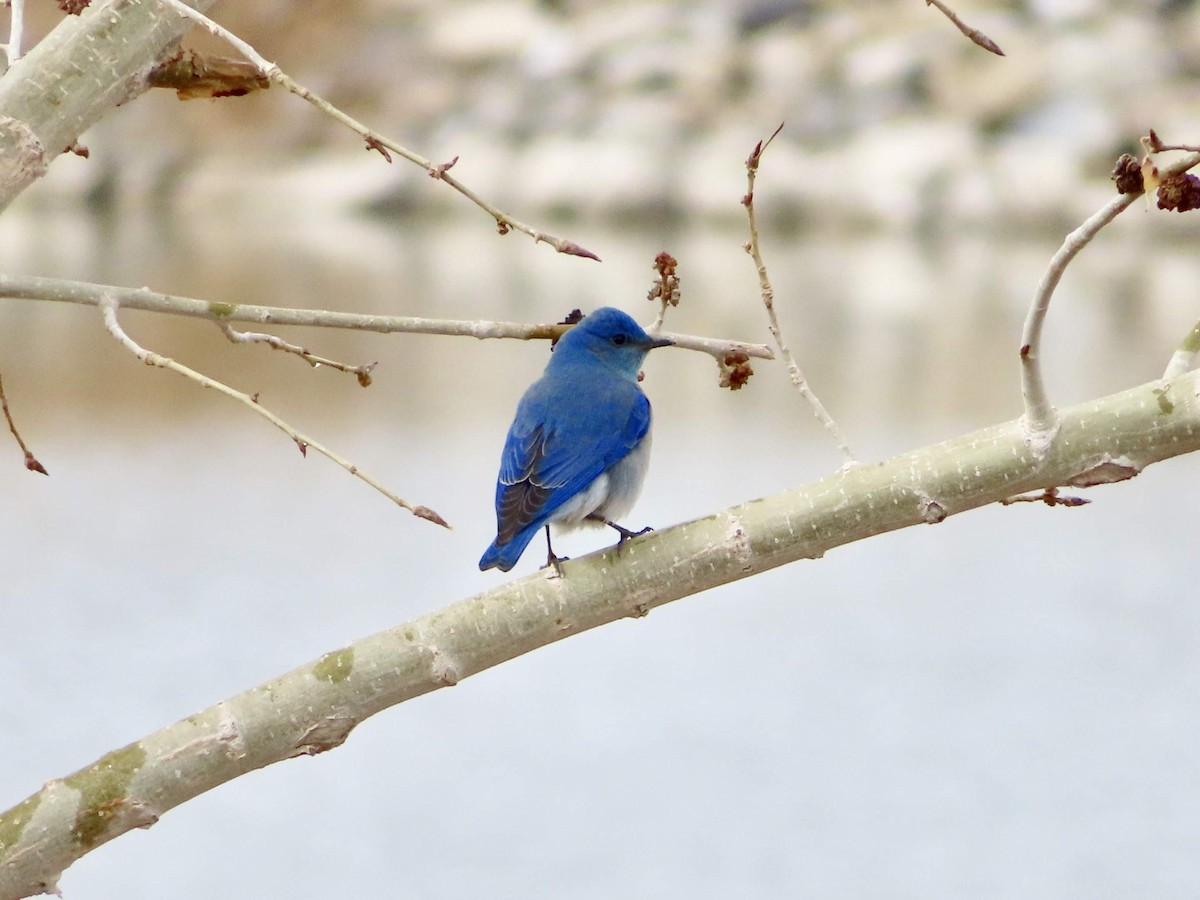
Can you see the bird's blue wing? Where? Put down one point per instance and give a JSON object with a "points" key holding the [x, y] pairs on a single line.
{"points": [[565, 434], [582, 447]]}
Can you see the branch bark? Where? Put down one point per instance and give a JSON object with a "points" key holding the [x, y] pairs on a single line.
{"points": [[85, 67], [314, 708], [58, 290]]}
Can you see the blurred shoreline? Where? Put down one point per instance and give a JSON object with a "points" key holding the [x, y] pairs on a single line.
{"points": [[623, 113]]}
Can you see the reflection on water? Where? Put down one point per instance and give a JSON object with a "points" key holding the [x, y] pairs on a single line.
{"points": [[1004, 705]]}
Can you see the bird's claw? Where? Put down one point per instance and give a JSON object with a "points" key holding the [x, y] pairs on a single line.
{"points": [[626, 535], [556, 562]]}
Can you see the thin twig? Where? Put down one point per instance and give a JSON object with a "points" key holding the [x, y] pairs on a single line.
{"points": [[973, 34], [362, 373], [717, 348], [768, 299], [1040, 418], [109, 309], [1152, 143], [31, 462], [374, 141], [656, 326], [31, 287]]}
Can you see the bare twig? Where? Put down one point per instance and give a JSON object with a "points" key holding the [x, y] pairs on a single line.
{"points": [[31, 462], [1152, 143], [30, 287], [718, 348], [374, 141], [362, 373], [1040, 418], [768, 299], [109, 309], [973, 34]]}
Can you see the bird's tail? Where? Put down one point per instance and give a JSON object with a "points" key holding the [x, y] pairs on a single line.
{"points": [[504, 556]]}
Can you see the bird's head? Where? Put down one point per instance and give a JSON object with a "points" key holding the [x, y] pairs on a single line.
{"points": [[612, 337]]}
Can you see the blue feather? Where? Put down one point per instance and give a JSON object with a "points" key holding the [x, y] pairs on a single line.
{"points": [[577, 445]]}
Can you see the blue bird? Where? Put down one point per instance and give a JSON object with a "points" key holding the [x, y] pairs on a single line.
{"points": [[579, 445]]}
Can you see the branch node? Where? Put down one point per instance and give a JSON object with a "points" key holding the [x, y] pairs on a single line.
{"points": [[933, 512], [1049, 496], [439, 171], [327, 734], [195, 75], [373, 143], [1106, 471]]}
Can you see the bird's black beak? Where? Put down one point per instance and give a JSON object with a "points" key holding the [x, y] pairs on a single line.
{"points": [[659, 342]]}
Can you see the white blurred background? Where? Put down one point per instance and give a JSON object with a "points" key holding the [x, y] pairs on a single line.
{"points": [[1002, 706]]}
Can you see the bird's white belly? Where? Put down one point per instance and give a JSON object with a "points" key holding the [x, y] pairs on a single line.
{"points": [[611, 495]]}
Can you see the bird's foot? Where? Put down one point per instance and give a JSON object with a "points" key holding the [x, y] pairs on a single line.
{"points": [[625, 533], [553, 559], [556, 562]]}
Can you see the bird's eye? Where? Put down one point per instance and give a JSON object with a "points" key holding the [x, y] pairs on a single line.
{"points": [[618, 339]]}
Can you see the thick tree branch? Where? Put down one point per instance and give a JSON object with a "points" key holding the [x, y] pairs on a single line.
{"points": [[313, 708], [73, 77]]}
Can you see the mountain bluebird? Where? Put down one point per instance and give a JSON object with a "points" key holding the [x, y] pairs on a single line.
{"points": [[579, 444]]}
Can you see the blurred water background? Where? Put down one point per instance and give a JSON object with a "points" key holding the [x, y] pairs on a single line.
{"points": [[1003, 706]]}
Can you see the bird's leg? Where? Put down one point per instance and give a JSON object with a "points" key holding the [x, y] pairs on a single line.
{"points": [[625, 533], [551, 559]]}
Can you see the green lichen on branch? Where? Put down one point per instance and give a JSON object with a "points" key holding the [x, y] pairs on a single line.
{"points": [[13, 822], [104, 788], [221, 310], [335, 666]]}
